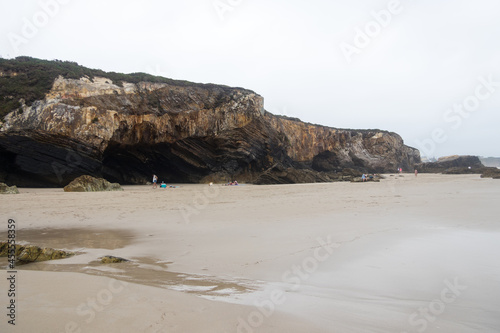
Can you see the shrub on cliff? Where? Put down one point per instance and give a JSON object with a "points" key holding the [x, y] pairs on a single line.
{"points": [[30, 79]]}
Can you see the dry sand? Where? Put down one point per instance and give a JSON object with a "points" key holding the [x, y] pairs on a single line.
{"points": [[408, 254]]}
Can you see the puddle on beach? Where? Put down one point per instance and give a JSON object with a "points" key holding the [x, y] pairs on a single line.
{"points": [[73, 238], [146, 271]]}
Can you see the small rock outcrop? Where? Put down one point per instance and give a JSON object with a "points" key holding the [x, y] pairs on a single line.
{"points": [[455, 165], [31, 253], [112, 260], [291, 176], [5, 189], [452, 165], [91, 184], [491, 173], [296, 176], [369, 178]]}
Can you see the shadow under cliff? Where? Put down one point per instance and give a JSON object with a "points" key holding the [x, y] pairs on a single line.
{"points": [[35, 159], [243, 153]]}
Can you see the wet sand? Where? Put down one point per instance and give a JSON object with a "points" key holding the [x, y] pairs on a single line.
{"points": [[408, 254]]}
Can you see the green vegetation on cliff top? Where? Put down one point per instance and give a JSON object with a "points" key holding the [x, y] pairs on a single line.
{"points": [[31, 78]]}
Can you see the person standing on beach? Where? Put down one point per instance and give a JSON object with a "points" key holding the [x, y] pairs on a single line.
{"points": [[155, 180], [416, 172]]}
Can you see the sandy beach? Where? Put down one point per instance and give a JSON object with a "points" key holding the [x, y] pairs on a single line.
{"points": [[407, 254]]}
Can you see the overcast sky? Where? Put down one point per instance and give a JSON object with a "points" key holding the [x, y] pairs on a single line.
{"points": [[425, 69]]}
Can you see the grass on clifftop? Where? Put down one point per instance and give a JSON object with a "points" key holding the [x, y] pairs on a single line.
{"points": [[31, 79], [336, 128]]}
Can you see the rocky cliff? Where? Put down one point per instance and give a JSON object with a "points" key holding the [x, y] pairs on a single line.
{"points": [[126, 131], [456, 164]]}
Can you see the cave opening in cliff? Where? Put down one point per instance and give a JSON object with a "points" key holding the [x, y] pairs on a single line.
{"points": [[135, 164]]}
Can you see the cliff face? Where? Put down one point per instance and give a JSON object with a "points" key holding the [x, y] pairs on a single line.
{"points": [[329, 149], [183, 133]]}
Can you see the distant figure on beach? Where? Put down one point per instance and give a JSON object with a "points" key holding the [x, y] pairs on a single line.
{"points": [[155, 180], [163, 185], [416, 172], [363, 178]]}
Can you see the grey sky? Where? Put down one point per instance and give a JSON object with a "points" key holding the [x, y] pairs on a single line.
{"points": [[424, 69]]}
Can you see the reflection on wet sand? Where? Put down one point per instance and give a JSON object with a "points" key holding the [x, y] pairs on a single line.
{"points": [[146, 271], [149, 272]]}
